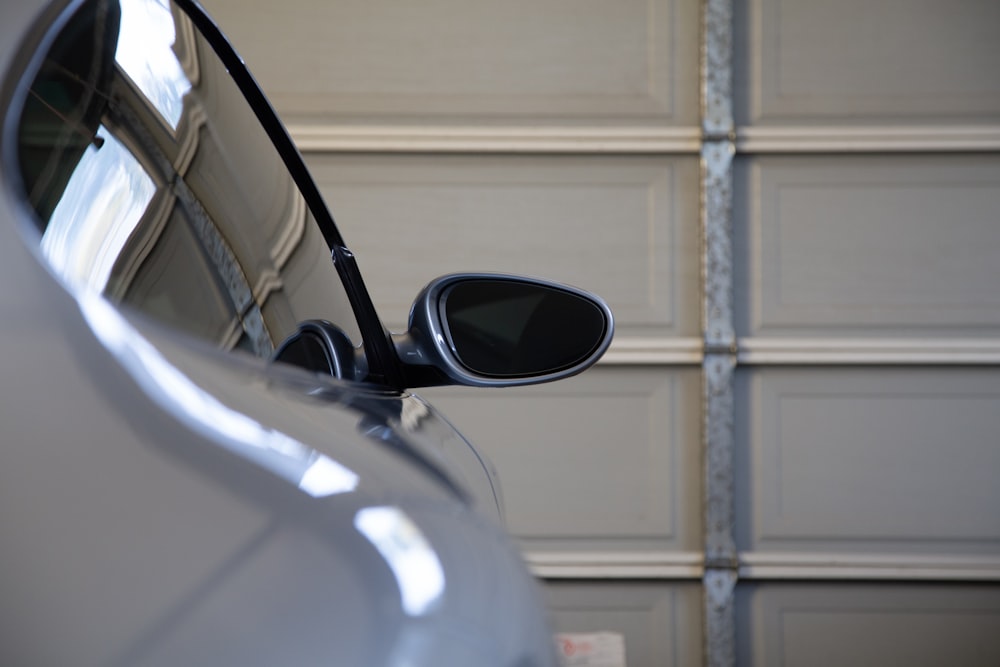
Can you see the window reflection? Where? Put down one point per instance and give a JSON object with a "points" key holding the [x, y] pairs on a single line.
{"points": [[144, 52], [155, 184], [100, 208]]}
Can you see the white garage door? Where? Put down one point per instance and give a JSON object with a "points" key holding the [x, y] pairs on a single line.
{"points": [[791, 454]]}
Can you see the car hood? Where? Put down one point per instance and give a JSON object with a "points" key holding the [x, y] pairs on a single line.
{"points": [[162, 503]]}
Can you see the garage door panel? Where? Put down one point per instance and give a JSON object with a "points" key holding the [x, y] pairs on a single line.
{"points": [[522, 60], [660, 621], [862, 61], [867, 624], [868, 459], [868, 246], [624, 228], [606, 460]]}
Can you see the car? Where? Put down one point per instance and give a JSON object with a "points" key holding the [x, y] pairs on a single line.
{"points": [[210, 452]]}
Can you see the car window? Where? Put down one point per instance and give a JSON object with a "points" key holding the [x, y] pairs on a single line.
{"points": [[155, 184]]}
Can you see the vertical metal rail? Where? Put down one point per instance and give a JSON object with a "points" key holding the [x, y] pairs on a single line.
{"points": [[718, 331]]}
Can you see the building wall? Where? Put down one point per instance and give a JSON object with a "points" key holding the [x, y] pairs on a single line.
{"points": [[790, 454]]}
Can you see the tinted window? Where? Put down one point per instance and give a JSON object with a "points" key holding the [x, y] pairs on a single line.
{"points": [[154, 184]]}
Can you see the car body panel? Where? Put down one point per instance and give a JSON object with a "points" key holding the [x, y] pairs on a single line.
{"points": [[134, 537]]}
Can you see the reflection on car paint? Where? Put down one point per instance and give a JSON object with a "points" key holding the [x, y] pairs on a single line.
{"points": [[412, 415], [313, 472], [409, 555]]}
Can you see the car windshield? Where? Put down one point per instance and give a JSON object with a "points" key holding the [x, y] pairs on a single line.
{"points": [[155, 184]]}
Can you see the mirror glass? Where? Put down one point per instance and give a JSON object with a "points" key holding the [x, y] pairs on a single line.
{"points": [[505, 328]]}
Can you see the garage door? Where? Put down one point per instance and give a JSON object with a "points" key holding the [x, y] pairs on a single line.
{"points": [[790, 455]]}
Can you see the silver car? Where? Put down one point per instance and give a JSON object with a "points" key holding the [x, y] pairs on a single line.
{"points": [[209, 452]]}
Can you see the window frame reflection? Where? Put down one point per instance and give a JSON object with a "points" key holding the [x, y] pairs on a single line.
{"points": [[170, 153], [177, 73]]}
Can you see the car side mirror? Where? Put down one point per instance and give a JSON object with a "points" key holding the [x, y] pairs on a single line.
{"points": [[494, 330]]}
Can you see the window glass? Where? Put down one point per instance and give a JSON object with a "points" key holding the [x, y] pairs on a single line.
{"points": [[154, 184], [143, 52]]}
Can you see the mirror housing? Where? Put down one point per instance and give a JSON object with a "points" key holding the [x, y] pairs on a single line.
{"points": [[498, 330]]}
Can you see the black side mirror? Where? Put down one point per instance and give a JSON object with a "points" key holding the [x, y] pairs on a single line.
{"points": [[498, 330]]}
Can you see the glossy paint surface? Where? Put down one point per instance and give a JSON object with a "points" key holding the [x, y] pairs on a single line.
{"points": [[163, 502]]}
